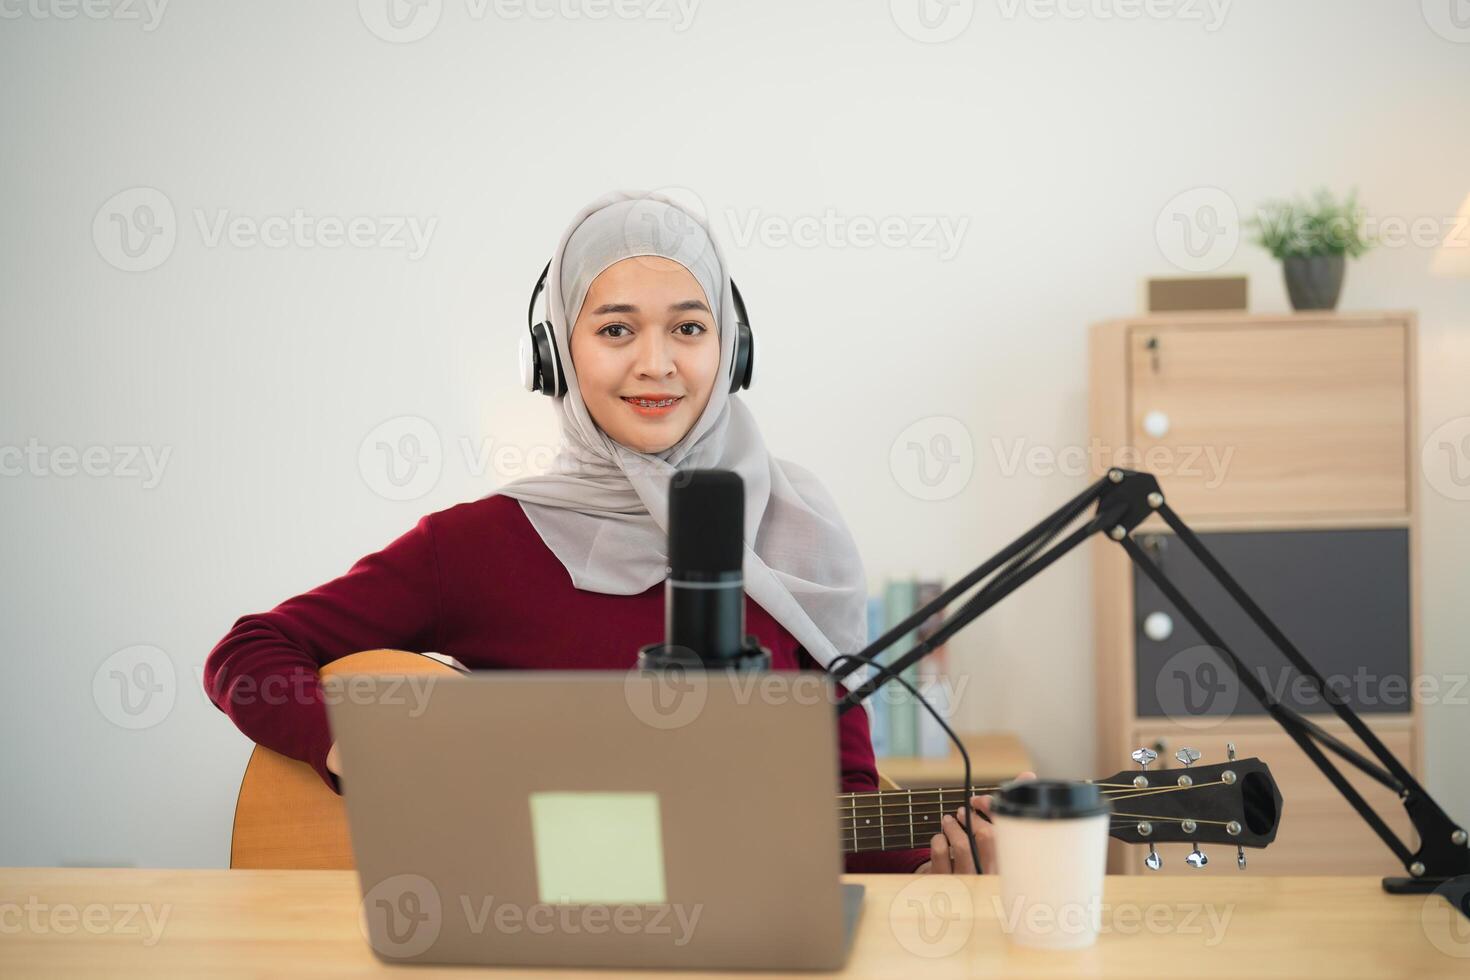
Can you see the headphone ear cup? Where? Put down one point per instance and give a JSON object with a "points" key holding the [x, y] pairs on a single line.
{"points": [[743, 369], [528, 366], [540, 363]]}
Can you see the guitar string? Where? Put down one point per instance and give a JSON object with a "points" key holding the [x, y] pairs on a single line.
{"points": [[1144, 816], [903, 805], [898, 800], [864, 833], [988, 789], [955, 789], [915, 833], [1119, 820]]}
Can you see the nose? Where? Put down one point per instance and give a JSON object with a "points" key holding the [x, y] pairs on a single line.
{"points": [[655, 357]]}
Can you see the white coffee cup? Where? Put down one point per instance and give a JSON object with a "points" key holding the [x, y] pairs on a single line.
{"points": [[1051, 844]]}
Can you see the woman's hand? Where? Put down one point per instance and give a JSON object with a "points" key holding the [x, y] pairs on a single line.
{"points": [[949, 851]]}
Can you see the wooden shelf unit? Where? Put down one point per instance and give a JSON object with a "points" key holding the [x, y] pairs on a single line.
{"points": [[1265, 425]]}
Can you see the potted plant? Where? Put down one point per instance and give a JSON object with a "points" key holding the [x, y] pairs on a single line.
{"points": [[1313, 237]]}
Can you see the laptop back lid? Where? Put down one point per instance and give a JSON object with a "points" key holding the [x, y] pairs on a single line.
{"points": [[596, 818]]}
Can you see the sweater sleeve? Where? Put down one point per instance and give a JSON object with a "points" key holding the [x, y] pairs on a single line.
{"points": [[860, 775], [263, 673]]}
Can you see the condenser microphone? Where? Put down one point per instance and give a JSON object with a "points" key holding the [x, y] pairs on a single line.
{"points": [[704, 595]]}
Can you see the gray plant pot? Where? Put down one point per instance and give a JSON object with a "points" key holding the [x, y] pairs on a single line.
{"points": [[1314, 282]]}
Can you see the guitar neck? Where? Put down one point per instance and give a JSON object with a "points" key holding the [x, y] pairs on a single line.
{"points": [[895, 819], [1235, 802]]}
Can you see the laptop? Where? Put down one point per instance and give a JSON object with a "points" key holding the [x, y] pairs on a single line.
{"points": [[597, 819]]}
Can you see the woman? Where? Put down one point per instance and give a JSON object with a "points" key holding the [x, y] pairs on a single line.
{"points": [[564, 571]]}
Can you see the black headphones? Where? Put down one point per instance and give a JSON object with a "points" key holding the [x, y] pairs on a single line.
{"points": [[541, 361]]}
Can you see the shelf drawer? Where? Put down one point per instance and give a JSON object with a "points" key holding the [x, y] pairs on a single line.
{"points": [[1272, 419], [1320, 833], [1341, 596]]}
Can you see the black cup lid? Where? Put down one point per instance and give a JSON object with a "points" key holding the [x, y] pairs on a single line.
{"points": [[1049, 799]]}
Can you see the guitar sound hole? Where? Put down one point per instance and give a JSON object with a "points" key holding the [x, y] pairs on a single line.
{"points": [[1260, 804]]}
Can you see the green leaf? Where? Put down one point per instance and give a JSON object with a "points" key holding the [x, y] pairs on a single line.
{"points": [[1316, 225]]}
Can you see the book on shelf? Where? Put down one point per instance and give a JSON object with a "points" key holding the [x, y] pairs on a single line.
{"points": [[876, 706], [903, 722], [900, 726], [934, 679]]}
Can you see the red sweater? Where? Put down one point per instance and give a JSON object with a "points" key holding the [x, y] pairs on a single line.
{"points": [[475, 582]]}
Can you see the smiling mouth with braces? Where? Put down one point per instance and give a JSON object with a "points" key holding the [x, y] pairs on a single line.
{"points": [[643, 404]]}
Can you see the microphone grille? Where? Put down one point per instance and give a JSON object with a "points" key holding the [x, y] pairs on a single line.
{"points": [[706, 522]]}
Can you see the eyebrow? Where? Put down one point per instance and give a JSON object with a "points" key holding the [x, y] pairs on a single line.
{"points": [[688, 304]]}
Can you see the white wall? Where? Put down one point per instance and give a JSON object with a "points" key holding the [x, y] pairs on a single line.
{"points": [[261, 370]]}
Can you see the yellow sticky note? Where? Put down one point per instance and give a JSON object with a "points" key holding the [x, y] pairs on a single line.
{"points": [[604, 848]]}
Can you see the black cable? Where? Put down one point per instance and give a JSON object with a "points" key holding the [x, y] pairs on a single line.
{"points": [[969, 786]]}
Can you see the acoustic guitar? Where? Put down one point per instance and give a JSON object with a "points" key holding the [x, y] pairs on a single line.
{"points": [[286, 818]]}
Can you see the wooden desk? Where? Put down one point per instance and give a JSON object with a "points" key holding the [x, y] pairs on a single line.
{"points": [[994, 757], [304, 923]]}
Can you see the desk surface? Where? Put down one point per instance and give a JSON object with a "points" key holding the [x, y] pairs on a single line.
{"points": [[153, 923]]}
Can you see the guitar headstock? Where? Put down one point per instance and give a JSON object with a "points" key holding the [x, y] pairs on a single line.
{"points": [[1235, 802]]}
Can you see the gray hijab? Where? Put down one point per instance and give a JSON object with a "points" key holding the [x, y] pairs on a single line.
{"points": [[603, 507]]}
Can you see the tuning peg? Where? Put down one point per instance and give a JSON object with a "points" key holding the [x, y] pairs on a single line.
{"points": [[1230, 751], [1143, 757], [1153, 862], [1195, 858], [1189, 757], [1239, 858]]}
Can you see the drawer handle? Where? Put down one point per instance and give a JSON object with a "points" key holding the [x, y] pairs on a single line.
{"points": [[1156, 424], [1158, 626]]}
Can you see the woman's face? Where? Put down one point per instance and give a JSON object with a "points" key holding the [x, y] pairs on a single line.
{"points": [[645, 331]]}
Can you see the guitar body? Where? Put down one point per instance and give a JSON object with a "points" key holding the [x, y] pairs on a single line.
{"points": [[285, 816]]}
